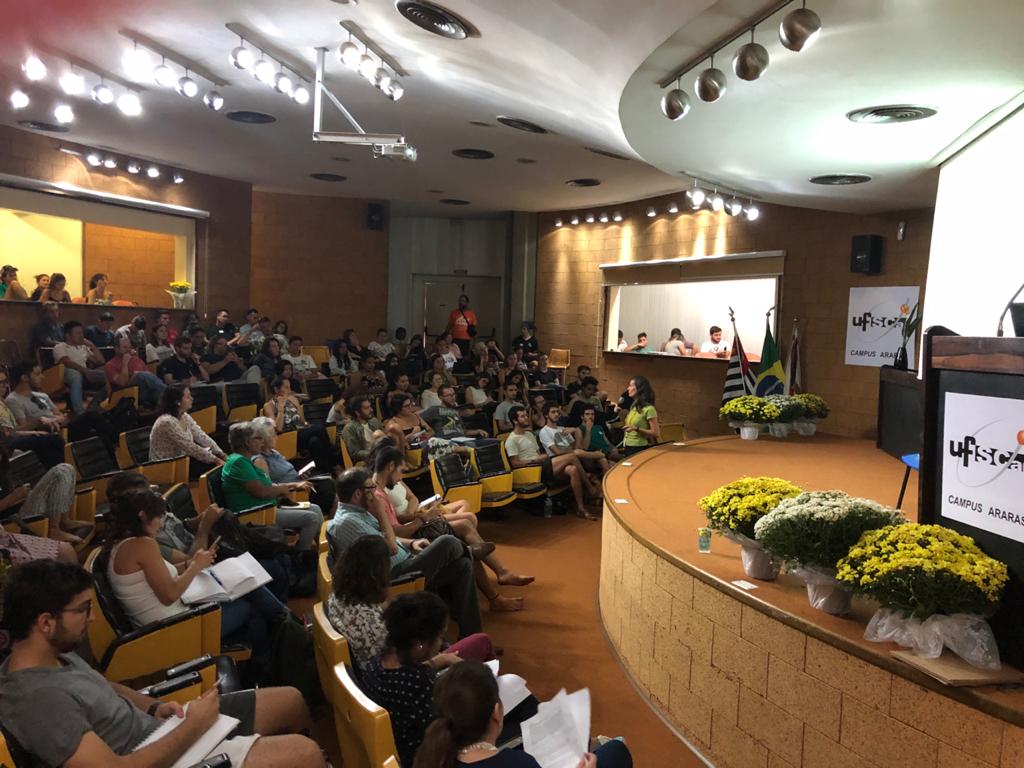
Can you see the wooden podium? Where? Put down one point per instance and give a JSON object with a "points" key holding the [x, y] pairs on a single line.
{"points": [[972, 460]]}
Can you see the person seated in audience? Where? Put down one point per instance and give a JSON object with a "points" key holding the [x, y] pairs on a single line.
{"points": [[175, 433], [676, 344], [285, 413], [714, 344], [594, 437], [159, 348], [250, 337], [246, 485], [102, 334], [280, 332], [76, 353], [448, 351], [387, 465], [525, 344], [402, 679], [537, 418], [401, 342], [340, 363], [401, 384], [126, 369], [48, 446], [135, 332], [183, 366], [511, 366], [271, 461], [481, 360], [641, 344], [543, 376], [164, 318], [501, 413], [557, 440], [48, 332], [406, 426], [446, 419], [444, 562], [63, 712], [439, 365], [338, 413], [468, 721], [587, 394], [478, 394], [582, 373], [303, 365], [367, 381], [268, 357], [42, 283], [222, 364], [35, 411], [391, 367], [198, 337], [223, 328], [523, 451], [10, 288], [381, 347], [354, 347], [362, 429], [285, 370], [52, 497], [430, 396], [98, 293], [416, 352], [56, 290], [24, 547], [149, 588]]}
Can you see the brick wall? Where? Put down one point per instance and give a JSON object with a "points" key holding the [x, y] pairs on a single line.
{"points": [[315, 263], [815, 288], [139, 264], [751, 692]]}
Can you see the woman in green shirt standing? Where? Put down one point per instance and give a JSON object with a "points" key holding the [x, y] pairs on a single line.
{"points": [[642, 430]]}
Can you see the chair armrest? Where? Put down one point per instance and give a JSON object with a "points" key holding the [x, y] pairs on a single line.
{"points": [[170, 621], [217, 761], [102, 476], [84, 489], [172, 685], [192, 666], [257, 508], [158, 462]]}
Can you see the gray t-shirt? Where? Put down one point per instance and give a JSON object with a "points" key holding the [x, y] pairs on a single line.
{"points": [[49, 710], [445, 421], [31, 407], [501, 412], [555, 436], [173, 536], [522, 445]]}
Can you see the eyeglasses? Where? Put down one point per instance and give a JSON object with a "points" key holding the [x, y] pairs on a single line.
{"points": [[85, 608], [369, 487]]}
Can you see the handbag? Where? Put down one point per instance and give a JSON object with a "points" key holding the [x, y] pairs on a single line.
{"points": [[435, 529], [470, 327], [264, 542]]}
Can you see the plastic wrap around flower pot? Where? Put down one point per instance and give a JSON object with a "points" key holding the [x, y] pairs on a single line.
{"points": [[749, 431], [757, 563], [968, 636], [824, 593], [805, 427], [780, 428]]}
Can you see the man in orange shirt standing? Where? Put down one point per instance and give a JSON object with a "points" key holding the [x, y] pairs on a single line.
{"points": [[462, 324]]}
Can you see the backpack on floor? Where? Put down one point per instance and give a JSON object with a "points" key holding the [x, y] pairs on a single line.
{"points": [[293, 661]]}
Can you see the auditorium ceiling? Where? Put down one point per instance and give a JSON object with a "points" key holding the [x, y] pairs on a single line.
{"points": [[585, 70]]}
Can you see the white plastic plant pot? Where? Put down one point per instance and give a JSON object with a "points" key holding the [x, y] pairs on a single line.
{"points": [[968, 636], [805, 427], [749, 431], [780, 428], [824, 593], [757, 563]]}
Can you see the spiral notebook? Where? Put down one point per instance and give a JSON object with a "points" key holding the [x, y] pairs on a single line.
{"points": [[203, 746], [228, 580]]}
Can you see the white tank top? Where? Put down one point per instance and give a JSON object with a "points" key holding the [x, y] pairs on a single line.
{"points": [[137, 598], [399, 498]]}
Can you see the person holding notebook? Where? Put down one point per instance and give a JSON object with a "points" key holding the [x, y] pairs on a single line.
{"points": [[63, 712]]}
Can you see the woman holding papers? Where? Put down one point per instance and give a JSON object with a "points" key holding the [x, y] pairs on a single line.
{"points": [[469, 721], [150, 589]]}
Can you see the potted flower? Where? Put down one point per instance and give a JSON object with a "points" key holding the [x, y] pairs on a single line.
{"points": [[748, 413], [911, 320], [181, 293], [812, 531], [935, 587], [813, 409], [790, 410], [734, 508]]}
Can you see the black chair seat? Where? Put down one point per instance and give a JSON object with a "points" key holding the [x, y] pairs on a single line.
{"points": [[499, 496], [530, 488]]}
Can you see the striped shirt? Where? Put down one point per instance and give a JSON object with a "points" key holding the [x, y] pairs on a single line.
{"points": [[350, 523]]}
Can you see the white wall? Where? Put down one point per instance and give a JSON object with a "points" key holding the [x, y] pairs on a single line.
{"points": [[35, 244], [976, 259]]}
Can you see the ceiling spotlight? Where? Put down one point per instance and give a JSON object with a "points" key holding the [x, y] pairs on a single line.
{"points": [[94, 159], [603, 218], [574, 220], [367, 67], [675, 104], [348, 54], [72, 83], [163, 75], [590, 218], [750, 61], [799, 29], [733, 207], [109, 162], [187, 87], [710, 84], [380, 75], [102, 94], [617, 216], [300, 94], [34, 68], [717, 202], [152, 171], [134, 167], [137, 64], [696, 196], [64, 114], [214, 100], [651, 212], [397, 91], [283, 84], [129, 104], [673, 208], [752, 212], [558, 222], [19, 99], [264, 71], [178, 178], [242, 57]]}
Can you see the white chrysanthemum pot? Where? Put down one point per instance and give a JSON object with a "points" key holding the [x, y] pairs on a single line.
{"points": [[805, 427], [749, 430]]}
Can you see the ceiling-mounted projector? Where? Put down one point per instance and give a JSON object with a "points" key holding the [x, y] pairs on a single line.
{"points": [[405, 152]]}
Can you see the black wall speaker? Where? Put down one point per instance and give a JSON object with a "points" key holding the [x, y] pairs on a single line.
{"points": [[375, 216], [866, 254]]}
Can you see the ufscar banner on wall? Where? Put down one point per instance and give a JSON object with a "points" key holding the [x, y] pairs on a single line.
{"points": [[874, 324]]}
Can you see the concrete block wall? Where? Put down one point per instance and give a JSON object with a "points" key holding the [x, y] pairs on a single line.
{"points": [[139, 264]]}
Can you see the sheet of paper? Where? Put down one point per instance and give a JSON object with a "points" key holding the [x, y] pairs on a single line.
{"points": [[201, 747], [512, 691], [627, 463], [744, 584], [240, 575], [558, 735], [204, 589], [622, 501], [306, 468], [493, 665]]}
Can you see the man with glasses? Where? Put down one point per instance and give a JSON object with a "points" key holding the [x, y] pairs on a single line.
{"points": [[49, 447], [63, 712]]}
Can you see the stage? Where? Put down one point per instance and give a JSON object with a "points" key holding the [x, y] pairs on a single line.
{"points": [[757, 677]]}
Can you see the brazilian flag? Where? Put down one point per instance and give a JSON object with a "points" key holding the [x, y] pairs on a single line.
{"points": [[771, 378]]}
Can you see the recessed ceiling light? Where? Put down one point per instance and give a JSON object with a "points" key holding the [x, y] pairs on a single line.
{"points": [[481, 123], [525, 160], [606, 153], [153, 172], [434, 18], [582, 183], [250, 116], [41, 125], [328, 177], [891, 113], [473, 154], [19, 99], [34, 68], [64, 113], [454, 201], [840, 179], [521, 125]]}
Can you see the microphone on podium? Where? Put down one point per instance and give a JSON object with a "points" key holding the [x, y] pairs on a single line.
{"points": [[1002, 317]]}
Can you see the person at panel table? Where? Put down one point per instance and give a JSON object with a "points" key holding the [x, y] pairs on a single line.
{"points": [[677, 344], [621, 345], [98, 293], [641, 344], [714, 344], [55, 291], [10, 288], [42, 283]]}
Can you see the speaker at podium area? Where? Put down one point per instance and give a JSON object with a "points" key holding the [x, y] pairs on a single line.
{"points": [[866, 254], [376, 216]]}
